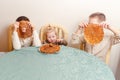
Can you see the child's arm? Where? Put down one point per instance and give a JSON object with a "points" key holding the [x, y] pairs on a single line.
{"points": [[116, 37], [62, 42], [36, 40], [78, 37], [81, 27], [107, 26], [116, 33], [15, 38]]}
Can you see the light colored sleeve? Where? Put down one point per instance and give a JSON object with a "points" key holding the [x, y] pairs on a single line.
{"points": [[77, 40], [16, 41], [116, 39], [77, 37], [36, 40]]}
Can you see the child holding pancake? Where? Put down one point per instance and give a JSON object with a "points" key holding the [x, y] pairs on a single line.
{"points": [[24, 34], [96, 36], [52, 37]]}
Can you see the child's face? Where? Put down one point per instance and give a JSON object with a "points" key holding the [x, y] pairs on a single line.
{"points": [[51, 37], [94, 20]]}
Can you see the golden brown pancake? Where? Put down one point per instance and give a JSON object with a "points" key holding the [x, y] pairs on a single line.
{"points": [[49, 48], [93, 34]]}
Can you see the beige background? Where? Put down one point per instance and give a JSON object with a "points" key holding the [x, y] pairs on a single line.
{"points": [[65, 12]]}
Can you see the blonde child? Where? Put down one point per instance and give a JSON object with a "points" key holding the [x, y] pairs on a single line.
{"points": [[100, 50], [52, 37]]}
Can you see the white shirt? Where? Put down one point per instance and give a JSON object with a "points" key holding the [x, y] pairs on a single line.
{"points": [[18, 43]]}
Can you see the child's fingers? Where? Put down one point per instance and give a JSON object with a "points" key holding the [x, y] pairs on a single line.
{"points": [[82, 25], [16, 25], [85, 24], [104, 25], [59, 40], [31, 25]]}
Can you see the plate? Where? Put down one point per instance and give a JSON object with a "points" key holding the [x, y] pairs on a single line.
{"points": [[49, 48]]}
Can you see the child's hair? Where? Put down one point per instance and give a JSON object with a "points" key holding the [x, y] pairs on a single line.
{"points": [[50, 29], [22, 18], [100, 15]]}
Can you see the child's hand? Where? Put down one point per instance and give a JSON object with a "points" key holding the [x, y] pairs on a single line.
{"points": [[105, 25], [59, 40], [31, 25], [83, 25], [16, 26]]}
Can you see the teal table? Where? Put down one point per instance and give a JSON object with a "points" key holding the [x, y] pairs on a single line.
{"points": [[67, 64]]}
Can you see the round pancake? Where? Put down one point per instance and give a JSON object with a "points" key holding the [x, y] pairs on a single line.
{"points": [[93, 34]]}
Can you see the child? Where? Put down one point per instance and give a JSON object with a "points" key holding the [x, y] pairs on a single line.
{"points": [[100, 50], [51, 37], [24, 34]]}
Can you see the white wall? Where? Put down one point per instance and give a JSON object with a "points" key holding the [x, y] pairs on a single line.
{"points": [[66, 12]]}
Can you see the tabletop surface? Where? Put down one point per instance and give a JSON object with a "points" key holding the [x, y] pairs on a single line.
{"points": [[67, 64]]}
